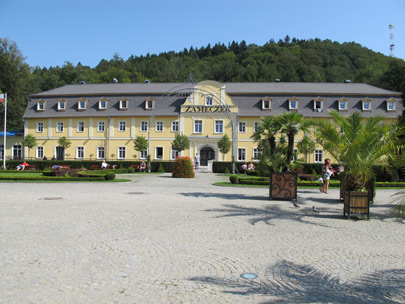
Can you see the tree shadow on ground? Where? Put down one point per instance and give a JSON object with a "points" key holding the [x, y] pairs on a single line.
{"points": [[271, 213], [226, 196], [289, 282]]}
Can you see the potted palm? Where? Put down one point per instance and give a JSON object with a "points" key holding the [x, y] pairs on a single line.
{"points": [[357, 144], [277, 156]]}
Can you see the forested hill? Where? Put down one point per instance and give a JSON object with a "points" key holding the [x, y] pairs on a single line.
{"points": [[289, 60]]}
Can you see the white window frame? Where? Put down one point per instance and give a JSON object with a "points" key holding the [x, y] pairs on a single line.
{"points": [[256, 153], [100, 152], [122, 107], [143, 126], [149, 103], [295, 155], [121, 152], [40, 152], [199, 123], [241, 154], [143, 154], [59, 126], [392, 102], [218, 124], [175, 126], [319, 102], [242, 127], [156, 153], [174, 154], [80, 152], [40, 106], [256, 126], [209, 101], [1, 151], [122, 126], [159, 126], [100, 126], [80, 126], [318, 156], [102, 104], [81, 105], [290, 104], [340, 102], [40, 127], [266, 104], [365, 102], [61, 105]]}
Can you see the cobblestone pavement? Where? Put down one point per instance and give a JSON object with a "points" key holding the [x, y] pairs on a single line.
{"points": [[164, 240]]}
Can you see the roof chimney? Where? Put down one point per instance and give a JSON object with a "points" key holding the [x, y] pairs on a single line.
{"points": [[115, 80], [147, 81], [277, 80], [347, 81]]}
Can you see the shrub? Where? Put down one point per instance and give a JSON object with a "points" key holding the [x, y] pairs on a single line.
{"points": [[131, 170], [109, 176], [234, 179], [227, 170], [183, 168], [161, 170]]}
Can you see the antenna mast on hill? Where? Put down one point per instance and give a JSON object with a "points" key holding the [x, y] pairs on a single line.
{"points": [[391, 27]]}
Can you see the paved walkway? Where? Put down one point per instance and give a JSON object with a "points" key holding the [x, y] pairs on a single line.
{"points": [[164, 240]]}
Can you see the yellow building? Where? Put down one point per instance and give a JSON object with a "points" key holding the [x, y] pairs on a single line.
{"points": [[102, 120]]}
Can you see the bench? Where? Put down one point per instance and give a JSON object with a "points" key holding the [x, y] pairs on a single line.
{"points": [[95, 167], [138, 167], [29, 167]]}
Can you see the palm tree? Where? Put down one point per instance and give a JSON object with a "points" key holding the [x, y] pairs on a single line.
{"points": [[291, 124], [357, 143], [265, 135]]}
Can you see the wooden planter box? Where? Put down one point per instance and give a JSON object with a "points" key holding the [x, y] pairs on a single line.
{"points": [[356, 203], [283, 186]]}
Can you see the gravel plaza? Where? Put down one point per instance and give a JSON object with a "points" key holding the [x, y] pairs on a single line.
{"points": [[163, 240]]}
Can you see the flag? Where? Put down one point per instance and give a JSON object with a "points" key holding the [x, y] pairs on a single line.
{"points": [[2, 98]]}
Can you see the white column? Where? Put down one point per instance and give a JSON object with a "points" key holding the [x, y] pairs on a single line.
{"points": [[70, 128], [132, 127], [49, 128], [111, 127], [90, 128]]}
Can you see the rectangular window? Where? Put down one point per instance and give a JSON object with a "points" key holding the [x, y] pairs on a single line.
{"points": [[175, 126], [80, 152], [159, 126], [391, 106], [256, 126], [198, 124], [293, 104], [144, 126], [102, 105], [256, 153], [100, 126], [40, 152], [1, 152], [208, 101], [81, 105], [149, 104], [266, 104], [40, 106], [366, 106], [295, 155], [59, 126], [159, 153], [123, 104], [122, 126], [17, 152], [80, 126], [40, 127], [143, 154], [121, 152], [318, 105], [342, 105], [100, 153], [318, 156], [241, 154], [242, 127], [61, 105], [219, 126], [174, 154]]}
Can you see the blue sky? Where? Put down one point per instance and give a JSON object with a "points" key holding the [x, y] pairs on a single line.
{"points": [[51, 32]]}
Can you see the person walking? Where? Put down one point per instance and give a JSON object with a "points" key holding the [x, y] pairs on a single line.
{"points": [[327, 172], [197, 161]]}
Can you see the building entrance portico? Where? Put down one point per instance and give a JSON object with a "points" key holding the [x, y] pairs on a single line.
{"points": [[206, 154]]}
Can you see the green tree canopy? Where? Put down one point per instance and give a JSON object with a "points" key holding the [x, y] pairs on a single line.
{"points": [[180, 143], [224, 144]]}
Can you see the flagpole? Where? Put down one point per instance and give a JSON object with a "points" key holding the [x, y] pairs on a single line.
{"points": [[5, 132]]}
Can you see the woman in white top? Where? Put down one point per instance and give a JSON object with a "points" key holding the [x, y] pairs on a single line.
{"points": [[327, 172]]}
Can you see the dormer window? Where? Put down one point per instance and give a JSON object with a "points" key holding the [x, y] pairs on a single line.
{"points": [[366, 105], [208, 100], [102, 104], [149, 103], [40, 105], [123, 104], [318, 104], [391, 105], [266, 104], [61, 105], [81, 104], [293, 104], [342, 104]]}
